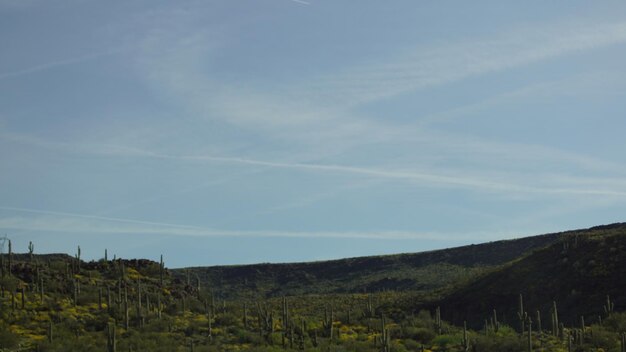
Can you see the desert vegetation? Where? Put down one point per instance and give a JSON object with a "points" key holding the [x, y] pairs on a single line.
{"points": [[61, 303]]}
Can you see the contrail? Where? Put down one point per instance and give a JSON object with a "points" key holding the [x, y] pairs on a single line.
{"points": [[302, 2], [96, 217], [611, 188], [158, 228], [53, 64], [409, 175]]}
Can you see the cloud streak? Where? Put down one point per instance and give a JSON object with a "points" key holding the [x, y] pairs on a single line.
{"points": [[442, 65], [52, 221], [552, 184], [318, 111], [424, 178], [55, 64]]}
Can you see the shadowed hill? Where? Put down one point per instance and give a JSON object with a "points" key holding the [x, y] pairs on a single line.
{"points": [[577, 272], [425, 271]]}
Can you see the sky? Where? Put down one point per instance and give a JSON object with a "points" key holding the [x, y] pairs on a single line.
{"points": [[241, 131]]}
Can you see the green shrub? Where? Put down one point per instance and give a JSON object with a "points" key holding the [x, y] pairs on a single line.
{"points": [[422, 335], [8, 340], [506, 343]]}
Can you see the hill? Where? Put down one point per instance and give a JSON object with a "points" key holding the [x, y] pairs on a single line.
{"points": [[60, 303], [577, 272], [425, 271]]}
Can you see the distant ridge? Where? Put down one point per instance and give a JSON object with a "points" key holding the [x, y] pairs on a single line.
{"points": [[423, 271]]}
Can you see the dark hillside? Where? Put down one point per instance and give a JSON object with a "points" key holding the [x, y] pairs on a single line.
{"points": [[42, 257], [577, 272], [423, 271]]}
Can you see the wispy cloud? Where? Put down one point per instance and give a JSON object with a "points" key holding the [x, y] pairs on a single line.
{"points": [[90, 217], [54, 64], [548, 184], [546, 215], [302, 202], [317, 197], [318, 111], [321, 112], [52, 221], [557, 184], [179, 192], [600, 83], [445, 64], [205, 106]]}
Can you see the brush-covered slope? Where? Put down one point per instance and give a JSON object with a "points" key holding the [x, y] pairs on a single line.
{"points": [[54, 302], [424, 271], [577, 272]]}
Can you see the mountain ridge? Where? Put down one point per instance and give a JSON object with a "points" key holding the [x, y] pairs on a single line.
{"points": [[405, 271]]}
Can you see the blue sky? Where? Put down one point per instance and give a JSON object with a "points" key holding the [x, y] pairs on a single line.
{"points": [[243, 131]]}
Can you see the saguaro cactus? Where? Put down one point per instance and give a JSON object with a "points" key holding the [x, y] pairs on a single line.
{"points": [[41, 289], [328, 322], [161, 270], [285, 320], [438, 320], [159, 305], [111, 338], [78, 260], [609, 306], [197, 286], [291, 336], [75, 288], [494, 321], [138, 306], [384, 337], [569, 342], [50, 331], [109, 307], [369, 309], [582, 328], [530, 335], [539, 322], [210, 323], [465, 340], [245, 315], [302, 333], [126, 315], [10, 258], [555, 320], [31, 249], [521, 314]]}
